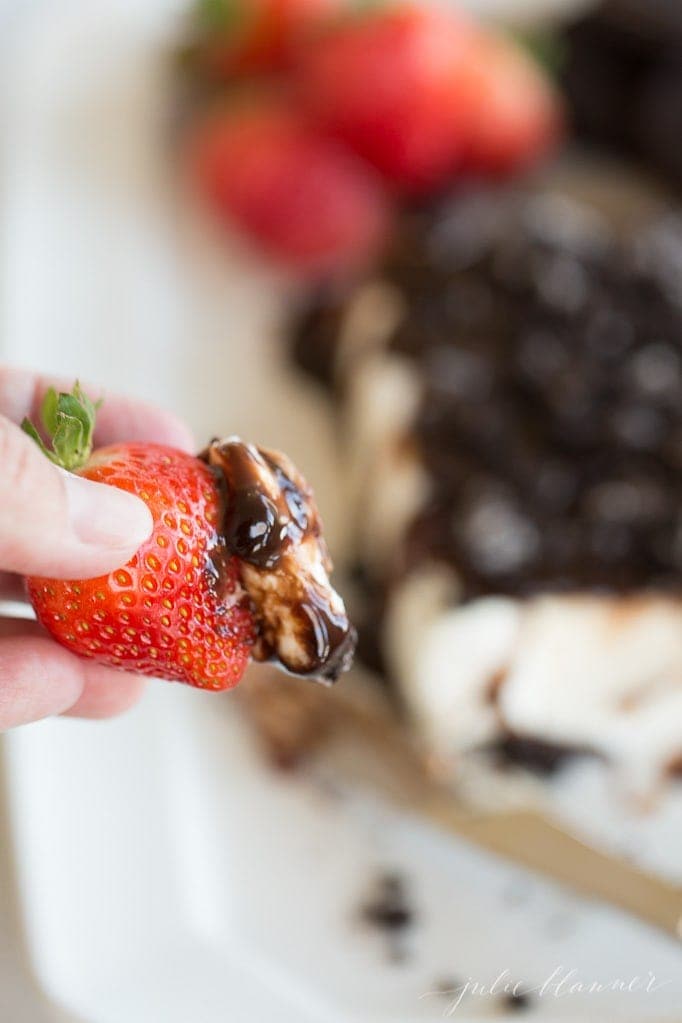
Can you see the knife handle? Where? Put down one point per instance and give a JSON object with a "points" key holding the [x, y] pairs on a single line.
{"points": [[537, 843]]}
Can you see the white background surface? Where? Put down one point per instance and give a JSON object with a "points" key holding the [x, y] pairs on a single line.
{"points": [[164, 874]]}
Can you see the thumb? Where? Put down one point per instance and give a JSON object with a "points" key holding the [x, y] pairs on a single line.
{"points": [[56, 524]]}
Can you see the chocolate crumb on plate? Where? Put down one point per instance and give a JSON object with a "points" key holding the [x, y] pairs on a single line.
{"points": [[388, 910], [516, 1002], [447, 987]]}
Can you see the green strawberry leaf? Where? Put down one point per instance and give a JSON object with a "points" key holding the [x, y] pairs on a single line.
{"points": [[28, 428], [69, 441], [69, 421], [48, 411]]}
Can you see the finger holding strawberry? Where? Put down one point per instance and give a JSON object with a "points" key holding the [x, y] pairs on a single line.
{"points": [[59, 524], [197, 600]]}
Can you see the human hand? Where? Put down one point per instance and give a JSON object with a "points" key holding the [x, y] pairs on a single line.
{"points": [[56, 524]]}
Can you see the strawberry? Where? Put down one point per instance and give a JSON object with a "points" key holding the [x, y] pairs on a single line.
{"points": [[176, 610], [384, 83], [246, 37], [514, 114], [305, 199]]}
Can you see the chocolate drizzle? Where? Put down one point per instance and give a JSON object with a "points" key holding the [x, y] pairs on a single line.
{"points": [[252, 526], [271, 523], [331, 638]]}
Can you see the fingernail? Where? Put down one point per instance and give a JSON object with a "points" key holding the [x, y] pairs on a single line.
{"points": [[104, 516]]}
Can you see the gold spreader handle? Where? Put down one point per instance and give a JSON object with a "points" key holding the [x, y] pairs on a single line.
{"points": [[535, 842], [359, 737], [525, 836]]}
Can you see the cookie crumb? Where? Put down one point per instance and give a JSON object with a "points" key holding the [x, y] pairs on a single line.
{"points": [[516, 1002], [389, 911], [447, 987]]}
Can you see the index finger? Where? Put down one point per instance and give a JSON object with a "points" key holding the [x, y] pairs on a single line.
{"points": [[38, 678], [118, 419]]}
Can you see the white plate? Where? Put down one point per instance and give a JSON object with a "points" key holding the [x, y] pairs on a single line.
{"points": [[165, 874]]}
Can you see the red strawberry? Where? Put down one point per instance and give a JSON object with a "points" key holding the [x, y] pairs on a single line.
{"points": [[246, 37], [306, 200], [177, 609], [515, 115], [384, 83]]}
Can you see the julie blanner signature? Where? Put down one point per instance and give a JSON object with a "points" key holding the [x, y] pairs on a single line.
{"points": [[561, 983]]}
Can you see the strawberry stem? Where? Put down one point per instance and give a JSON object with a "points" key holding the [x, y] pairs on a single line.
{"points": [[224, 16], [69, 421]]}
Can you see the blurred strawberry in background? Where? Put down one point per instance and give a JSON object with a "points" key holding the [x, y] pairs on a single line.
{"points": [[514, 112], [385, 82], [245, 37], [333, 112], [306, 199]]}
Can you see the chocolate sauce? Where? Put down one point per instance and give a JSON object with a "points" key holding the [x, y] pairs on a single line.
{"points": [[331, 641], [270, 522], [257, 525], [221, 582]]}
